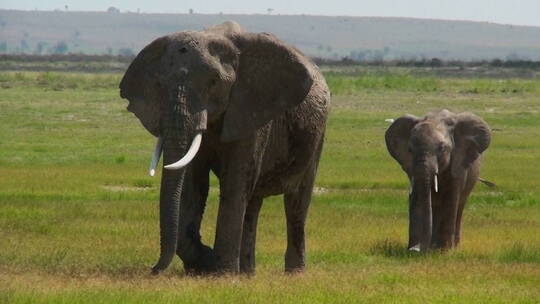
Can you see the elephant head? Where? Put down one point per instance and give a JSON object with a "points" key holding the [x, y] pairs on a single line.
{"points": [[428, 147], [222, 78]]}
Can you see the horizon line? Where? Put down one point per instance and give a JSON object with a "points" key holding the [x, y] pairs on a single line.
{"points": [[270, 15]]}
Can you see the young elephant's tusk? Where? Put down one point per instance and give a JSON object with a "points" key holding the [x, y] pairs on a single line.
{"points": [[435, 183], [415, 248], [156, 156], [412, 185], [193, 149]]}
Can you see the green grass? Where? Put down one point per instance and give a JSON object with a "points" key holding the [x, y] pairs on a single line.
{"points": [[402, 80], [79, 217]]}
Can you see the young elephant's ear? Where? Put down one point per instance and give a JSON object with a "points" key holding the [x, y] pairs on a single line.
{"points": [[397, 141], [271, 78], [472, 136]]}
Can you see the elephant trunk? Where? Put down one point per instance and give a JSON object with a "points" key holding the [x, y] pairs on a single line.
{"points": [[169, 204], [181, 138], [420, 209]]}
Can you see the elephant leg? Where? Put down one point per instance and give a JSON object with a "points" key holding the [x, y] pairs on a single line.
{"points": [[249, 235], [230, 222], [296, 209], [457, 235], [197, 257], [472, 177], [449, 212], [436, 233], [237, 178]]}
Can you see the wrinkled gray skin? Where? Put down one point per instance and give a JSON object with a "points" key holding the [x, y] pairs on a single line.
{"points": [[262, 108], [445, 145]]}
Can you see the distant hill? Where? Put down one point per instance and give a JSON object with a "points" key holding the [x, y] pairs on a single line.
{"points": [[362, 38]]}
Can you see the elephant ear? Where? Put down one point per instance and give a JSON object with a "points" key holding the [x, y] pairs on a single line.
{"points": [[271, 78], [397, 141], [472, 136], [140, 86], [135, 83]]}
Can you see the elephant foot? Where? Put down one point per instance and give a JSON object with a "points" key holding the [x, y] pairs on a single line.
{"points": [[295, 270], [228, 268], [247, 269], [204, 264], [295, 261], [442, 246], [294, 264], [445, 245]]}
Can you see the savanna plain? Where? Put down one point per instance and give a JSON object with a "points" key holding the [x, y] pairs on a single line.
{"points": [[79, 215]]}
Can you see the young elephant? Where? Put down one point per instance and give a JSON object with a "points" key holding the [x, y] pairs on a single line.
{"points": [[441, 155]]}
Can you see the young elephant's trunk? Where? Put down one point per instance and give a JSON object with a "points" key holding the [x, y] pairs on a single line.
{"points": [[420, 211]]}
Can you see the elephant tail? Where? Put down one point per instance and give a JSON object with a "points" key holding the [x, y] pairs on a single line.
{"points": [[487, 183]]}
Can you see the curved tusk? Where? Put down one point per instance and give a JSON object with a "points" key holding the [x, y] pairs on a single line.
{"points": [[412, 185], [184, 161], [156, 156], [435, 183]]}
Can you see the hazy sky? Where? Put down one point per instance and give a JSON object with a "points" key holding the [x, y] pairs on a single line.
{"points": [[522, 12]]}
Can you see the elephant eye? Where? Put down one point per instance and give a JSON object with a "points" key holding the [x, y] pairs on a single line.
{"points": [[182, 50]]}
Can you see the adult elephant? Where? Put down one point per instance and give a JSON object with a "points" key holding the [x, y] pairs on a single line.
{"points": [[441, 155], [245, 106]]}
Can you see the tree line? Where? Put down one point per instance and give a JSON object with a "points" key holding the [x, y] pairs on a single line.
{"points": [[345, 61]]}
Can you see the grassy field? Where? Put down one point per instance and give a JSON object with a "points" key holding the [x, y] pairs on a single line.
{"points": [[79, 216]]}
